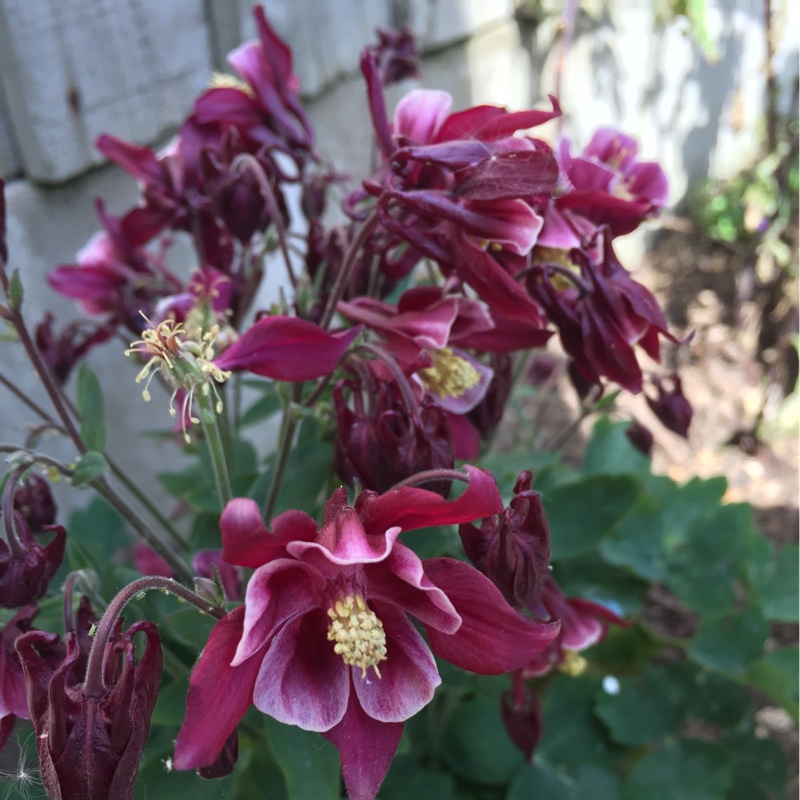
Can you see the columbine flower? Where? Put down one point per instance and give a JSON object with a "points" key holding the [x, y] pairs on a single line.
{"points": [[90, 744], [34, 501], [583, 623], [186, 363], [381, 441], [324, 641]]}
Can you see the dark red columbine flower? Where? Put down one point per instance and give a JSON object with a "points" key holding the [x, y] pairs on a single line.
{"points": [[76, 339], [383, 437], [324, 641], [513, 548], [641, 437], [267, 110], [13, 702], [26, 568], [583, 623], [90, 742], [670, 405], [487, 414], [34, 501], [395, 55], [601, 313], [609, 185], [115, 275]]}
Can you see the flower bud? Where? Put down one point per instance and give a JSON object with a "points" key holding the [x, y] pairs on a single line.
{"points": [[34, 501], [89, 744], [670, 406], [522, 716], [513, 548]]}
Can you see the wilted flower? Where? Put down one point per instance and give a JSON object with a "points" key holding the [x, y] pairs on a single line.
{"points": [[323, 640], [63, 351], [90, 739]]}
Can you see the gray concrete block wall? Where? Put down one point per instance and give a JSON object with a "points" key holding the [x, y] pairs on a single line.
{"points": [[654, 84]]}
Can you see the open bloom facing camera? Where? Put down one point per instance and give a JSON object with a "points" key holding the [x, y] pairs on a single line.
{"points": [[324, 640]]}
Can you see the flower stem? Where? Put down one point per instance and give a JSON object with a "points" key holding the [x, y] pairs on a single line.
{"points": [[431, 475], [216, 448], [288, 426], [94, 685], [344, 272]]}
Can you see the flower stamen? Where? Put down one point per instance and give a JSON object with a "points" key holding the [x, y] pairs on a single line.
{"points": [[450, 375], [358, 633]]}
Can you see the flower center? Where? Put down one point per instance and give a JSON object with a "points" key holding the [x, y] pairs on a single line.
{"points": [[574, 664], [450, 375], [358, 633]]}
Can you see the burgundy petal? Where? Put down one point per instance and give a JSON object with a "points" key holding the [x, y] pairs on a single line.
{"points": [[219, 695], [493, 637], [287, 349], [411, 508], [366, 747], [302, 680]]}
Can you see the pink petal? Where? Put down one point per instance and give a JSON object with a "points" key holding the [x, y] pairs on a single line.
{"points": [[302, 681], [287, 349], [420, 114], [141, 162], [412, 508], [342, 540], [219, 695], [366, 747], [277, 592], [493, 637], [408, 676]]}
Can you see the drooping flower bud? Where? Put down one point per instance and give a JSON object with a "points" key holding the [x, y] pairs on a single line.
{"points": [[670, 405], [90, 743], [522, 715], [640, 437], [34, 501], [382, 441], [26, 568], [513, 548]]}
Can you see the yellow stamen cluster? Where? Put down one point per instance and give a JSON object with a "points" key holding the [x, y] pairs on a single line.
{"points": [[358, 633], [574, 664], [222, 80], [186, 362], [450, 375]]}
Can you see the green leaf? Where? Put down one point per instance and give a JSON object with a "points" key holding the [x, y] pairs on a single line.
{"points": [[573, 735], [703, 566], [190, 627], [91, 408], [181, 484], [623, 649], [582, 513], [170, 707], [265, 407], [309, 765], [779, 593], [718, 700], [776, 675], [90, 466], [731, 644], [539, 781], [684, 770], [15, 291], [99, 527], [759, 767], [506, 467], [592, 579], [306, 474], [610, 452], [646, 709], [407, 779], [475, 745]]}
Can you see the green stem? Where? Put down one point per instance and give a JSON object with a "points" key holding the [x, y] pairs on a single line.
{"points": [[216, 449], [288, 426]]}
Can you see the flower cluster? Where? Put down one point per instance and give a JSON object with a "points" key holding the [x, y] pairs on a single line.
{"points": [[472, 243]]}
